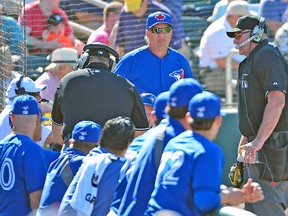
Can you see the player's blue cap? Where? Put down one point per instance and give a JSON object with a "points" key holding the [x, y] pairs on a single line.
{"points": [[205, 105], [158, 17], [182, 91], [87, 131], [148, 99], [160, 105], [25, 105]]}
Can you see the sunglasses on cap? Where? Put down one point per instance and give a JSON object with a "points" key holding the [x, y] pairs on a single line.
{"points": [[157, 30], [238, 35]]}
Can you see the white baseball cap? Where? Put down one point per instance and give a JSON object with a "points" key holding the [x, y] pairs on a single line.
{"points": [[27, 83], [64, 56], [238, 8]]}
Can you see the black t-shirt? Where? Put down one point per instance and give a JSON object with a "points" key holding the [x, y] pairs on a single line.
{"points": [[97, 95], [264, 70]]}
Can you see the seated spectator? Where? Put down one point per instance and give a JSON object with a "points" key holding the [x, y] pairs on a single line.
{"points": [[110, 17], [98, 175], [215, 47], [148, 101], [56, 30], [36, 21], [85, 136], [132, 21], [83, 13], [12, 33], [281, 40], [62, 62], [274, 13]]}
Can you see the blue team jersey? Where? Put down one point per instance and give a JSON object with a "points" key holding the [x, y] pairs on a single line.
{"points": [[59, 176], [143, 173], [189, 176], [23, 170], [150, 73], [106, 187]]}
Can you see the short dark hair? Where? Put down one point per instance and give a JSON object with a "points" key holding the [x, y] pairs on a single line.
{"points": [[177, 112], [201, 124], [117, 133]]}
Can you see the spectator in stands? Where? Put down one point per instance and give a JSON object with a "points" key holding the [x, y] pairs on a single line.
{"points": [[274, 13], [281, 40], [148, 101], [56, 30], [36, 20], [110, 17], [91, 190], [85, 136], [83, 13], [131, 34], [154, 67], [215, 47], [11, 33], [23, 164], [143, 174], [62, 62], [219, 10], [18, 86]]}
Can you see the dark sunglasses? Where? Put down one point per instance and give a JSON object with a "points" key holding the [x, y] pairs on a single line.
{"points": [[157, 30], [34, 94], [238, 35]]}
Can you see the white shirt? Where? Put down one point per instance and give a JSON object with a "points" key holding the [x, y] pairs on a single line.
{"points": [[216, 44]]}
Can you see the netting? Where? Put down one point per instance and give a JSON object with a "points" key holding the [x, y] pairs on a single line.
{"points": [[22, 54]]}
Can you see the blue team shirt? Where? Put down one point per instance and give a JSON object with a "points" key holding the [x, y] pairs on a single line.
{"points": [[55, 185], [23, 170], [106, 187], [152, 74], [189, 176], [142, 177]]}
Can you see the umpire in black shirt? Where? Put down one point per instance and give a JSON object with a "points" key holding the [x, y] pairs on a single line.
{"points": [[93, 93]]}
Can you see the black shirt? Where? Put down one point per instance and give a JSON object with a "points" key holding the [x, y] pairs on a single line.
{"points": [[97, 95], [264, 70]]}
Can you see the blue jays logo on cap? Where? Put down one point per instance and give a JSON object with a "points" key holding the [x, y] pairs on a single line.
{"points": [[148, 99], [25, 105], [205, 105], [158, 17], [182, 91], [87, 131]]}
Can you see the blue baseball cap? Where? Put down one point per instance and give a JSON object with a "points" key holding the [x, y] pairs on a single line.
{"points": [[25, 105], [160, 105], [158, 17], [205, 105], [148, 99], [182, 91], [87, 131]]}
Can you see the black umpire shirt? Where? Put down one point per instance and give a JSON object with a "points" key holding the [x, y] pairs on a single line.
{"points": [[97, 95], [264, 70]]}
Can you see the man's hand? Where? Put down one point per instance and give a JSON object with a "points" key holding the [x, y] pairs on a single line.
{"points": [[252, 192]]}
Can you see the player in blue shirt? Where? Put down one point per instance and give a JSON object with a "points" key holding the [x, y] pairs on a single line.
{"points": [[23, 164], [189, 176], [142, 177], [158, 114], [91, 190], [85, 136], [154, 68]]}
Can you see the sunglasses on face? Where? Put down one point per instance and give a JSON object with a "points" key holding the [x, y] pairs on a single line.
{"points": [[157, 30], [238, 35], [34, 94]]}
